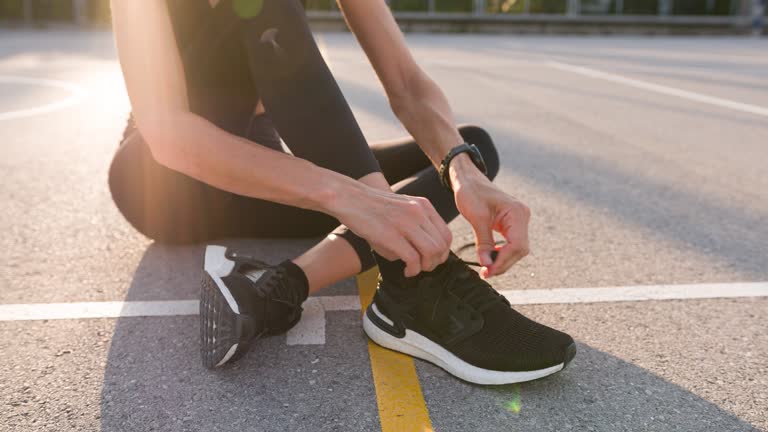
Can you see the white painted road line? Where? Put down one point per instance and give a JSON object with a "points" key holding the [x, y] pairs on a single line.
{"points": [[76, 93], [637, 293], [52, 311], [670, 91], [114, 309]]}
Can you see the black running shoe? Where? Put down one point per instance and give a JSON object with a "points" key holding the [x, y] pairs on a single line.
{"points": [[453, 318], [241, 300]]}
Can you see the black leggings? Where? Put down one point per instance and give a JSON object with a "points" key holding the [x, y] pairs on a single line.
{"points": [[308, 111]]}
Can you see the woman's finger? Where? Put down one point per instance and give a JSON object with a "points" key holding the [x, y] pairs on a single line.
{"points": [[506, 264], [410, 256], [442, 228], [508, 255], [426, 245], [442, 248], [505, 254]]}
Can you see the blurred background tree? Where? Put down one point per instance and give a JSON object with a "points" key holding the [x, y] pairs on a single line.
{"points": [[11, 9]]}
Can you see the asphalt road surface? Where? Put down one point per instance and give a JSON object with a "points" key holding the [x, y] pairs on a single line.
{"points": [[643, 160]]}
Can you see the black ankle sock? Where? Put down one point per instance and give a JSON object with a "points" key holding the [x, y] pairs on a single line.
{"points": [[390, 270], [298, 274]]}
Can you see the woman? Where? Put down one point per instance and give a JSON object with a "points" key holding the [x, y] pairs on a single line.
{"points": [[214, 86]]}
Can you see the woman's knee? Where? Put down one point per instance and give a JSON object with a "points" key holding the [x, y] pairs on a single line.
{"points": [[480, 138]]}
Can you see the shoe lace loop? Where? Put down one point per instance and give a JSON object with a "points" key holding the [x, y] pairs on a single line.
{"points": [[275, 290], [276, 284]]}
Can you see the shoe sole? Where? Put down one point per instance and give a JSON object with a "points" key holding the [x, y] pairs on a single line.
{"points": [[416, 345], [222, 327]]}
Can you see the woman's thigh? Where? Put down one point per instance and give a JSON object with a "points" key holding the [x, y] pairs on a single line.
{"points": [[399, 158], [299, 92], [402, 158], [168, 206]]}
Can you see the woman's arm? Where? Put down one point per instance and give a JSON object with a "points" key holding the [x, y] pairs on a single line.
{"points": [[424, 111], [188, 143], [415, 99], [394, 225]]}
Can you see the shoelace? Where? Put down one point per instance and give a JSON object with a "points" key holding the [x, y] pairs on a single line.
{"points": [[473, 290], [494, 254], [276, 290], [276, 284]]}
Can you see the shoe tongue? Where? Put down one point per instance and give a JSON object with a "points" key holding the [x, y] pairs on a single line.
{"points": [[465, 284], [255, 274]]}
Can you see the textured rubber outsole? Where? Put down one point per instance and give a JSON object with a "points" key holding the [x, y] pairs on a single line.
{"points": [[219, 341], [225, 334], [416, 345]]}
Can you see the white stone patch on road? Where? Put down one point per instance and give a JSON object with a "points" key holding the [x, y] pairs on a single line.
{"points": [[340, 303], [670, 91], [310, 330], [113, 309]]}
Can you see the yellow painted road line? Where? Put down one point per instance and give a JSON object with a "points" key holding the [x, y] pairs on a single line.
{"points": [[398, 393]]}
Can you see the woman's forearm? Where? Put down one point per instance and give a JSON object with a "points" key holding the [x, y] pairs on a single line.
{"points": [[203, 151], [424, 111]]}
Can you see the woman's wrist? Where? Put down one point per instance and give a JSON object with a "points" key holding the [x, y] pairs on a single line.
{"points": [[462, 171], [332, 193]]}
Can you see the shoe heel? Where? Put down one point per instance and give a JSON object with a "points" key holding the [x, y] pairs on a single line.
{"points": [[383, 333], [383, 322]]}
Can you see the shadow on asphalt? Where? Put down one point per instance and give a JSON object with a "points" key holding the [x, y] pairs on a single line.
{"points": [[635, 101], [154, 380], [627, 55], [727, 234]]}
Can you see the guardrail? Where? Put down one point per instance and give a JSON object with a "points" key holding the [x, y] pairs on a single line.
{"points": [[552, 24], [722, 16]]}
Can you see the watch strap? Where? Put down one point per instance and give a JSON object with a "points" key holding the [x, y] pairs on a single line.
{"points": [[465, 147]]}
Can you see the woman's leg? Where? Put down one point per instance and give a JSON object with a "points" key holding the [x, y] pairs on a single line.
{"points": [[341, 254], [412, 173], [313, 118], [171, 207]]}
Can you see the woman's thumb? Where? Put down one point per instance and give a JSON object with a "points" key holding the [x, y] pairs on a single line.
{"points": [[485, 244]]}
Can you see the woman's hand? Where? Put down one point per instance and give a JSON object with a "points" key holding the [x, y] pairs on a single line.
{"points": [[397, 227], [489, 209]]}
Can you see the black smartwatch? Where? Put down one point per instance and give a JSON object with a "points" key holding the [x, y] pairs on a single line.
{"points": [[474, 155]]}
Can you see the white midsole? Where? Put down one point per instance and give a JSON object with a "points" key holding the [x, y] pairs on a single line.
{"points": [[419, 346]]}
